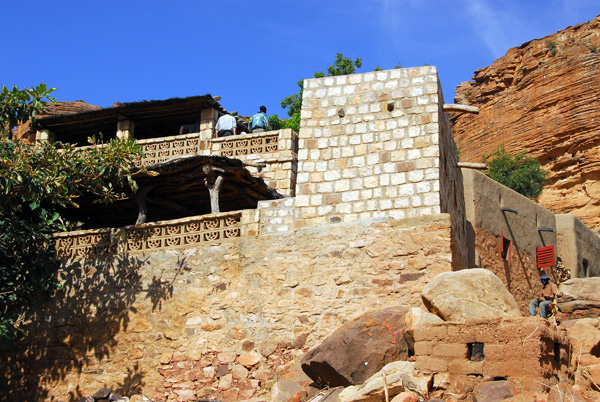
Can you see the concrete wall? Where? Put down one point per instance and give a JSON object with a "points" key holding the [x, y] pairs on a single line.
{"points": [[484, 199], [222, 319], [578, 246]]}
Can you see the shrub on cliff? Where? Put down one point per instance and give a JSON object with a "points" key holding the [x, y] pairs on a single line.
{"points": [[35, 182], [519, 172]]}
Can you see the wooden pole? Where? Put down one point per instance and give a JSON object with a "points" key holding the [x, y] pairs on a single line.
{"points": [[213, 182], [452, 107], [473, 165], [141, 201]]}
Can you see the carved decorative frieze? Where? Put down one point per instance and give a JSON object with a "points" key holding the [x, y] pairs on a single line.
{"points": [[177, 234], [242, 145], [169, 147], [82, 245], [184, 234]]}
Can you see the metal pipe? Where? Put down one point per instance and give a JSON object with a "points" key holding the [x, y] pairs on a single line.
{"points": [[506, 209]]}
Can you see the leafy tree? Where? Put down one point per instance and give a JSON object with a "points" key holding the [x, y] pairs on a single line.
{"points": [[396, 67], [294, 122], [35, 182], [519, 172], [341, 66], [18, 106]]}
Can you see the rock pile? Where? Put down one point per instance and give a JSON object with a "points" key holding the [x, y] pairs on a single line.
{"points": [[372, 358], [104, 395]]}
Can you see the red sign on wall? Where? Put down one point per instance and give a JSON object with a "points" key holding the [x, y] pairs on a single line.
{"points": [[545, 257]]}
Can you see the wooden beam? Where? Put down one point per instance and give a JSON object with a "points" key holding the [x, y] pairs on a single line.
{"points": [[473, 165], [452, 107]]}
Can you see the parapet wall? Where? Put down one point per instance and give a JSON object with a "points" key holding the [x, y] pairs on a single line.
{"points": [[188, 322], [276, 150]]}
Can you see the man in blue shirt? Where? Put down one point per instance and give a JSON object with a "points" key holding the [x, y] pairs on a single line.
{"points": [[259, 122]]}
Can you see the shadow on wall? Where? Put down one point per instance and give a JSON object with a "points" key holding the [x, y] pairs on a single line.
{"points": [[75, 332]]}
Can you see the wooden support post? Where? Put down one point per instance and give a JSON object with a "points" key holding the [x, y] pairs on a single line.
{"points": [[213, 182], [125, 129], [143, 208]]}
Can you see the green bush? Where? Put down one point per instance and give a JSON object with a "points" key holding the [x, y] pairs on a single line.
{"points": [[519, 172]]}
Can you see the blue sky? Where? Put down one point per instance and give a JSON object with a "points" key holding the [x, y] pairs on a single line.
{"points": [[254, 52]]}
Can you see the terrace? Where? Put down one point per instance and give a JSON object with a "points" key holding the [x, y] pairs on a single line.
{"points": [[191, 187]]}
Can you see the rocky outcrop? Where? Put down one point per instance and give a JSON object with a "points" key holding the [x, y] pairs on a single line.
{"points": [[359, 349], [470, 293], [541, 97], [393, 379], [579, 298]]}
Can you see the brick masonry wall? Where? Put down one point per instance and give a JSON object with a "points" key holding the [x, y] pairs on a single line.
{"points": [[222, 319], [525, 350], [369, 161], [370, 146]]}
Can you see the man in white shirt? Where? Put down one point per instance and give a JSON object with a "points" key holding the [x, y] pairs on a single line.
{"points": [[226, 126]]}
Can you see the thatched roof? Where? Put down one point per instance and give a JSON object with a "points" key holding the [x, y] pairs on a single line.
{"points": [[154, 118], [178, 191]]}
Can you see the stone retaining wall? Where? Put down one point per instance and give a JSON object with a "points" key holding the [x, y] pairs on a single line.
{"points": [[223, 318]]}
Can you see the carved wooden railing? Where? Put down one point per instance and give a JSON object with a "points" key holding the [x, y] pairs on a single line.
{"points": [[163, 149], [248, 144], [156, 236]]}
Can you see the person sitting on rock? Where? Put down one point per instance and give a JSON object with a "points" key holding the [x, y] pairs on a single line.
{"points": [[547, 296]]}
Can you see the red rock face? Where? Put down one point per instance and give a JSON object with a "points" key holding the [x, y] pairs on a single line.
{"points": [[542, 97]]}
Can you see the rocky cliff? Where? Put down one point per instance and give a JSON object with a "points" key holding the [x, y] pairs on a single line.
{"points": [[542, 97]]}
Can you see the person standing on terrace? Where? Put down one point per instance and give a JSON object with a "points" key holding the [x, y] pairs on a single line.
{"points": [[226, 126], [259, 122]]}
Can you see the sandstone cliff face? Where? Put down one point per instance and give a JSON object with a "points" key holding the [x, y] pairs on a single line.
{"points": [[542, 97]]}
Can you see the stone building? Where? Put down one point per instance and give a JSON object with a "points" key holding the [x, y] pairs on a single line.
{"points": [[359, 210]]}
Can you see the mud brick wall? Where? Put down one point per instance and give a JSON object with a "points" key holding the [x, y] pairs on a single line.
{"points": [[223, 318], [521, 349], [488, 223]]}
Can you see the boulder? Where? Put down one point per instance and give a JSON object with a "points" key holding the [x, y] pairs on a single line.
{"points": [[359, 349], [294, 385], [470, 293], [415, 318], [492, 391], [405, 396], [399, 377], [592, 374], [585, 339], [566, 392], [579, 298]]}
